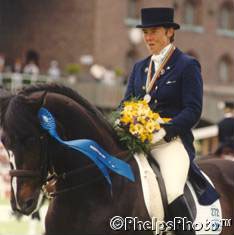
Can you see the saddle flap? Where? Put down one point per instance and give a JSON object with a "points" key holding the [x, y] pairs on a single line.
{"points": [[207, 218]]}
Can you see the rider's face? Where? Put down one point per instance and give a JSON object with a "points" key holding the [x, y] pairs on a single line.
{"points": [[157, 38]]}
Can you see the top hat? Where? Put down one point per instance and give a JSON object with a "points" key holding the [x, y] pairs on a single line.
{"points": [[155, 17]]}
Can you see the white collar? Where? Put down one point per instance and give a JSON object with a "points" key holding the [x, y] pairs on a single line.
{"points": [[164, 51], [157, 58]]}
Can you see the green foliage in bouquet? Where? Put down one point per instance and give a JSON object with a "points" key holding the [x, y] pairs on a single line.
{"points": [[136, 124], [132, 143]]}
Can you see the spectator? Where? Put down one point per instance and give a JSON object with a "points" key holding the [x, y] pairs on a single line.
{"points": [[225, 148], [17, 76], [54, 70], [226, 125], [18, 66], [32, 63]]}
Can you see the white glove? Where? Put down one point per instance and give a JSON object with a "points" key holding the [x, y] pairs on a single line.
{"points": [[158, 136]]}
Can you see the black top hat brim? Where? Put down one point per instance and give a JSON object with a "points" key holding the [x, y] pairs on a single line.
{"points": [[164, 24]]}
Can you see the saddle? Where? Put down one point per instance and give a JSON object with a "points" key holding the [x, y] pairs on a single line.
{"points": [[187, 193], [205, 216]]}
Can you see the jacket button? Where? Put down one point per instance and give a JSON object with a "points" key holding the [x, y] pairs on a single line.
{"points": [[143, 88], [155, 101], [156, 88]]}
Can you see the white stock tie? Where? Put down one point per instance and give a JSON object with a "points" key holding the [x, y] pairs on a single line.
{"points": [[157, 59]]}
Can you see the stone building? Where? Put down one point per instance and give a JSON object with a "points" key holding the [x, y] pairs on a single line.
{"points": [[102, 30]]}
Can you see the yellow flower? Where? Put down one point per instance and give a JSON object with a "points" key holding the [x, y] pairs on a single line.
{"points": [[140, 119], [143, 137], [150, 126], [166, 119], [154, 116], [126, 119], [157, 126], [136, 129]]}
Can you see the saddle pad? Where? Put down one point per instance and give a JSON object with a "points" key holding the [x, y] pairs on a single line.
{"points": [[208, 217], [205, 214], [151, 191]]}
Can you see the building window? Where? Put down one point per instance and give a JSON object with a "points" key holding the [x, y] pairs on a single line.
{"points": [[133, 12], [226, 16], [225, 69], [192, 12], [133, 9]]}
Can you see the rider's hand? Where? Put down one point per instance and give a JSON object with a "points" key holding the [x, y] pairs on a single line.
{"points": [[158, 136], [171, 133]]}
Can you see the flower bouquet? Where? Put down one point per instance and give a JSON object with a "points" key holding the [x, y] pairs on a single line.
{"points": [[135, 124]]}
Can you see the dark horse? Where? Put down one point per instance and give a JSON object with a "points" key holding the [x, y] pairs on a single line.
{"points": [[82, 202], [225, 150]]}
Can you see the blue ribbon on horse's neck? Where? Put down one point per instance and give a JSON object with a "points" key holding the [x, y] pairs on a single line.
{"points": [[90, 148]]}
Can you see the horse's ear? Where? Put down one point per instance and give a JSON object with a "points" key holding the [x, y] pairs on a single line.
{"points": [[42, 99], [35, 102]]}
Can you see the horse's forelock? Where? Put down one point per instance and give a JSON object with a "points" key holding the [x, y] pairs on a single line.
{"points": [[18, 119]]}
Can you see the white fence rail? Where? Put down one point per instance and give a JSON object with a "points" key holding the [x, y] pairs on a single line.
{"points": [[14, 81], [205, 132]]}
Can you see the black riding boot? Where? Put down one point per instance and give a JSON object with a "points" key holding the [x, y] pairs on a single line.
{"points": [[179, 208]]}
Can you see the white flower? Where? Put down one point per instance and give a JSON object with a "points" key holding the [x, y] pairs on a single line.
{"points": [[117, 122]]}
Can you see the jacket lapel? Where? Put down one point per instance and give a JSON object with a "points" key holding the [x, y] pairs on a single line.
{"points": [[144, 70], [171, 62], [166, 69]]}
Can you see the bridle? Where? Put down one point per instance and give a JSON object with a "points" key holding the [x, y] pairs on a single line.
{"points": [[42, 173], [46, 166]]}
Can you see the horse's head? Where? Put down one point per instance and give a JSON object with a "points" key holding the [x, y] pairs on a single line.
{"points": [[33, 152], [26, 145]]}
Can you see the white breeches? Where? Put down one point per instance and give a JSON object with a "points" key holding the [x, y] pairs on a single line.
{"points": [[174, 164]]}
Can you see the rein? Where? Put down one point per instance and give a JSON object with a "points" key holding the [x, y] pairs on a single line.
{"points": [[66, 175]]}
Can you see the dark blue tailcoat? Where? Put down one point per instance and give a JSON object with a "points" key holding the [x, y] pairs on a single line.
{"points": [[177, 94]]}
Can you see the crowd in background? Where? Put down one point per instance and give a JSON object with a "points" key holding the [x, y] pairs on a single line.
{"points": [[73, 72]]}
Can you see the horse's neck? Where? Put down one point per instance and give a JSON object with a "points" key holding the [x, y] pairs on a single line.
{"points": [[78, 123], [74, 122]]}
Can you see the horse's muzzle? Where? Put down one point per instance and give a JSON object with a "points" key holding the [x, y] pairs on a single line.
{"points": [[27, 205]]}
